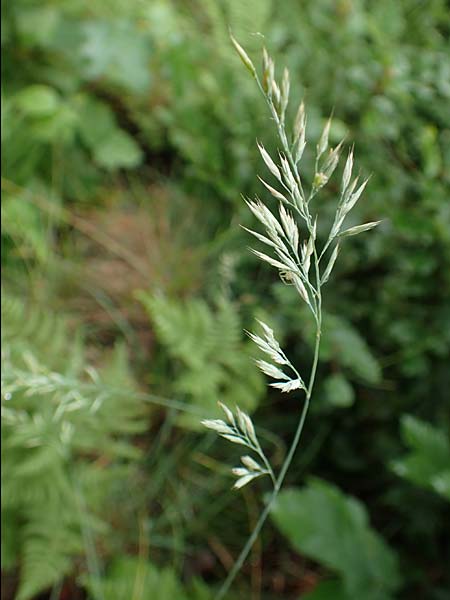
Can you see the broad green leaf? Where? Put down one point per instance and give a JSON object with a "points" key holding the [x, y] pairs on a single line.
{"points": [[118, 150], [38, 100], [333, 529], [112, 147], [57, 127], [118, 51], [338, 391], [441, 483], [420, 435], [97, 121], [37, 24], [343, 343], [428, 462]]}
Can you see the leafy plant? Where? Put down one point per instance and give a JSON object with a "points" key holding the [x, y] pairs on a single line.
{"points": [[214, 363], [52, 105], [56, 424], [428, 462], [299, 262], [343, 348], [326, 525]]}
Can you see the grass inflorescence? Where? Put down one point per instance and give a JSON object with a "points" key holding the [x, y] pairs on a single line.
{"points": [[300, 262]]}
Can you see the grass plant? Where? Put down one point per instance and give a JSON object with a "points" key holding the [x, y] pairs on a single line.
{"points": [[294, 250]]}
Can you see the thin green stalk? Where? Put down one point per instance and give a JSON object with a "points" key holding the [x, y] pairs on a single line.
{"points": [[248, 546], [281, 477], [267, 464]]}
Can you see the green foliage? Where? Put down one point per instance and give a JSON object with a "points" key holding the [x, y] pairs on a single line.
{"points": [[328, 590], [111, 147], [57, 121], [344, 344], [338, 391], [101, 92], [343, 347], [214, 363], [117, 51], [54, 426], [242, 20], [132, 577], [333, 529], [49, 542], [23, 224], [428, 461]]}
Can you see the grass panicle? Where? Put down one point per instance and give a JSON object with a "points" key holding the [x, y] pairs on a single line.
{"points": [[290, 236]]}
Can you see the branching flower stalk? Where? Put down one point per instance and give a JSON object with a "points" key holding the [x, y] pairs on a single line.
{"points": [[299, 263]]}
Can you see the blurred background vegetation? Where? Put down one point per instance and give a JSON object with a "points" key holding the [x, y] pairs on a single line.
{"points": [[128, 137]]}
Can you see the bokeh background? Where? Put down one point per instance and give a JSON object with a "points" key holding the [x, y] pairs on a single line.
{"points": [[128, 135]]}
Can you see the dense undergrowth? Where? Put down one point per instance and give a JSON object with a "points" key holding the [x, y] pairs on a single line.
{"points": [[129, 136]]}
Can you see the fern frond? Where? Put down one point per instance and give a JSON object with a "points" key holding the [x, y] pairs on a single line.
{"points": [[58, 416], [28, 330], [49, 545], [428, 461], [213, 360]]}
